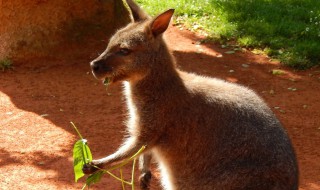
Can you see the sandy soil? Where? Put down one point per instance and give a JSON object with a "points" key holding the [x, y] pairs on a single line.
{"points": [[39, 98]]}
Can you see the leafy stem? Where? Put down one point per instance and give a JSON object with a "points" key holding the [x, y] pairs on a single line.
{"points": [[82, 155], [74, 126]]}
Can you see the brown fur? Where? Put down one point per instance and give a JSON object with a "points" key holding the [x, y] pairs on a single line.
{"points": [[205, 133]]}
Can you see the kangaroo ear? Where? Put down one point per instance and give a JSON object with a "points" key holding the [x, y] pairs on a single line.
{"points": [[161, 22], [137, 13]]}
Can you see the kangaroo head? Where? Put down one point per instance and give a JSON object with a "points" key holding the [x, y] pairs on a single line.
{"points": [[132, 49]]}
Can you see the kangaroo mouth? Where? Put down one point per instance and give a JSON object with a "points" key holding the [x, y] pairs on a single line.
{"points": [[107, 81], [111, 78]]}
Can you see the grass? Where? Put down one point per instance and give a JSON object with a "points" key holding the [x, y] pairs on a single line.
{"points": [[288, 30], [5, 64]]}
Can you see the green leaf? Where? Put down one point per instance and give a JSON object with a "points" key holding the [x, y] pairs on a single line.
{"points": [[94, 178], [78, 160], [81, 156], [86, 152]]}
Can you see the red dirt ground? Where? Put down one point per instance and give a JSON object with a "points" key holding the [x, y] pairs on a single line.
{"points": [[39, 98]]}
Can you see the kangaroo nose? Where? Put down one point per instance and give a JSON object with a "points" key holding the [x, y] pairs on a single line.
{"points": [[95, 65]]}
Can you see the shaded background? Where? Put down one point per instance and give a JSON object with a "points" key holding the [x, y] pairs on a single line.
{"points": [[35, 28]]}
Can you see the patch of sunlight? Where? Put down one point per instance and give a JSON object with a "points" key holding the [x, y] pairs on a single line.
{"points": [[313, 186], [31, 177], [310, 186]]}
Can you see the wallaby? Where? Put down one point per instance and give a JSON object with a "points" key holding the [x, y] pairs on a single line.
{"points": [[204, 133]]}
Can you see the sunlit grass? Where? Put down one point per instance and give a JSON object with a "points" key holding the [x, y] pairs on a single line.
{"points": [[288, 30]]}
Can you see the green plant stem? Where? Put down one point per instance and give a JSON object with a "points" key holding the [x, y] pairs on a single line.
{"points": [[74, 126], [117, 166], [117, 178], [83, 156], [132, 173], [122, 181], [84, 150], [120, 165]]}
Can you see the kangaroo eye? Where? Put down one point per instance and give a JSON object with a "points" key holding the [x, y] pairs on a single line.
{"points": [[124, 51]]}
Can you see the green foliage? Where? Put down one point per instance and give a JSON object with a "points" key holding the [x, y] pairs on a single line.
{"points": [[82, 156], [288, 29], [93, 178], [5, 64]]}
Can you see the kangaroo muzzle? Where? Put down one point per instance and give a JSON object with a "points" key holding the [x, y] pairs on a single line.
{"points": [[100, 69]]}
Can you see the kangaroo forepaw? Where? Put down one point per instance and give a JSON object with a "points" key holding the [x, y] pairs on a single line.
{"points": [[91, 168], [144, 180]]}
